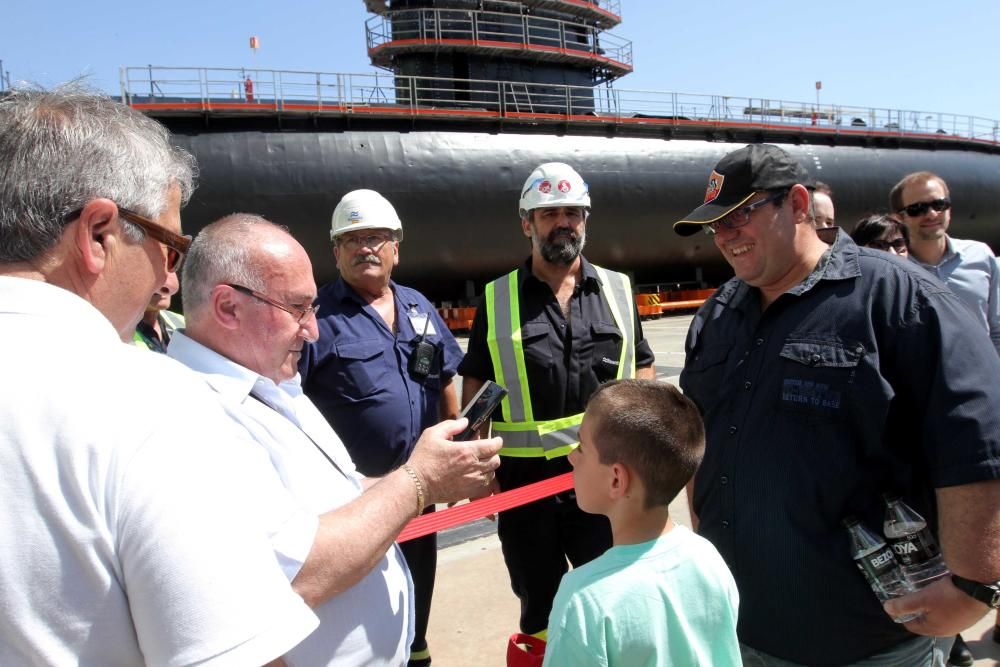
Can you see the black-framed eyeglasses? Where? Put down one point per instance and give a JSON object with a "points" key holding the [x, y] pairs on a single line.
{"points": [[898, 244], [740, 217], [300, 314], [920, 208], [177, 244], [373, 241]]}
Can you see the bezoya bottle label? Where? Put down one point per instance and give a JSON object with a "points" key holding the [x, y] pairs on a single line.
{"points": [[916, 548], [876, 565]]}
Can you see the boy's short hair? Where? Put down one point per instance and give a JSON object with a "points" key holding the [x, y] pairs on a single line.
{"points": [[652, 428]]}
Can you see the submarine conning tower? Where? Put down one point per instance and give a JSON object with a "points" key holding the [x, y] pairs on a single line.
{"points": [[455, 52]]}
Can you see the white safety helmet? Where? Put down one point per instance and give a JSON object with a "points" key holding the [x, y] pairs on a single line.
{"points": [[364, 209], [554, 184]]}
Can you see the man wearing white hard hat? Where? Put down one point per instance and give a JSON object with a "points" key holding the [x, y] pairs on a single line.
{"points": [[381, 370], [551, 332]]}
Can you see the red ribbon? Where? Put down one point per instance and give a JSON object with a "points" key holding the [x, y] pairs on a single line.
{"points": [[459, 514]]}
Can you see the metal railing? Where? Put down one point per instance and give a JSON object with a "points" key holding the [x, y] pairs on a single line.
{"points": [[612, 7], [208, 90], [438, 26]]}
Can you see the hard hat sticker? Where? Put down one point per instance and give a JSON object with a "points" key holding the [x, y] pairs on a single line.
{"points": [[714, 186], [545, 187], [564, 186]]}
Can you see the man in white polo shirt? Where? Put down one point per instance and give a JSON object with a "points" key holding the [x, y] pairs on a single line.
{"points": [[124, 536]]}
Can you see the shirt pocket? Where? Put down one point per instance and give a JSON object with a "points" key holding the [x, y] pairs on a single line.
{"points": [[703, 374], [361, 368], [537, 344], [606, 351], [817, 378]]}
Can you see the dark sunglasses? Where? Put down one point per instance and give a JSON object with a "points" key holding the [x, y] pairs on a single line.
{"points": [[300, 314], [898, 244], [921, 208], [177, 245]]}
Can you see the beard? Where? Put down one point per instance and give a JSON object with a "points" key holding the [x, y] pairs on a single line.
{"points": [[561, 246]]}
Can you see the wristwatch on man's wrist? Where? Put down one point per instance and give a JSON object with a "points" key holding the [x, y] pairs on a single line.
{"points": [[988, 594]]}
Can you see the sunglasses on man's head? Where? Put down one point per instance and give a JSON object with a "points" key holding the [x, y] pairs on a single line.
{"points": [[921, 208]]}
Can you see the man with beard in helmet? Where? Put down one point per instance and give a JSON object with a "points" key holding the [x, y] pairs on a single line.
{"points": [[551, 332]]}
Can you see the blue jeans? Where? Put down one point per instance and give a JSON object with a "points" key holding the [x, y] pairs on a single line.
{"points": [[916, 652]]}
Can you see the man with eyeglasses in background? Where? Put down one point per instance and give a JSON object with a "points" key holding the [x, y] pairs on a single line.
{"points": [[249, 301], [124, 540], [969, 268], [381, 370], [827, 375]]}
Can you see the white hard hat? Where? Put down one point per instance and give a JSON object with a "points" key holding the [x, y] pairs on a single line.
{"points": [[364, 209], [553, 184]]}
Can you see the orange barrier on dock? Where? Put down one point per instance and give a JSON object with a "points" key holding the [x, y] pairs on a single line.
{"points": [[652, 304]]}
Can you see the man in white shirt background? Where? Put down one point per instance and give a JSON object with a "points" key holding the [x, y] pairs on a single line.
{"points": [[968, 268]]}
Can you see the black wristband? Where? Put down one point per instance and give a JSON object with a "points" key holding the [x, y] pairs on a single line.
{"points": [[988, 594]]}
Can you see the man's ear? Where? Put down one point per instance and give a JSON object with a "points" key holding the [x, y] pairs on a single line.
{"points": [[800, 197], [526, 225], [226, 307], [96, 231], [621, 481]]}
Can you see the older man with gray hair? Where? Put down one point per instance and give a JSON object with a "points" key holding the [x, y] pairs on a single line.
{"points": [[123, 538], [248, 298]]}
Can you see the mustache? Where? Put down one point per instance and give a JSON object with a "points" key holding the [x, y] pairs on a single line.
{"points": [[367, 259], [561, 233]]}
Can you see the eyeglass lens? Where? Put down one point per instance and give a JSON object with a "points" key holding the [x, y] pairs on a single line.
{"points": [[369, 241]]}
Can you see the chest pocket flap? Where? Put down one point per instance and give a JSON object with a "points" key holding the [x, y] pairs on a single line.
{"points": [[823, 353], [361, 367], [605, 329]]}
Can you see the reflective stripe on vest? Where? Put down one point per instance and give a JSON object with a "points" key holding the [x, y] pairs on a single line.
{"points": [[522, 435], [173, 320]]}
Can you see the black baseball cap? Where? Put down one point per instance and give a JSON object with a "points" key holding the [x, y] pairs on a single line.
{"points": [[737, 177]]}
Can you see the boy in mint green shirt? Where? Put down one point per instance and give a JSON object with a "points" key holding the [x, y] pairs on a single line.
{"points": [[661, 595]]}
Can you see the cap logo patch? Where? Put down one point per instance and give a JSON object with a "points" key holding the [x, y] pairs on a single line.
{"points": [[714, 186], [545, 187], [564, 186], [354, 217]]}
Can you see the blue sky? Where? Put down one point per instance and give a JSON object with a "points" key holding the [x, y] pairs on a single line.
{"points": [[914, 55]]}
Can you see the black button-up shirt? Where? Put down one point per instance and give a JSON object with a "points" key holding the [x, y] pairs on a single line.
{"points": [[870, 376], [566, 359]]}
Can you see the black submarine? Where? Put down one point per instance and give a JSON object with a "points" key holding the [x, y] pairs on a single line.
{"points": [[471, 95]]}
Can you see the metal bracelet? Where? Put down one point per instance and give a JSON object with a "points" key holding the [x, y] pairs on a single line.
{"points": [[420, 488]]}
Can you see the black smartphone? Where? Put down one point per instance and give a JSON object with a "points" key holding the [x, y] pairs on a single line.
{"points": [[479, 409]]}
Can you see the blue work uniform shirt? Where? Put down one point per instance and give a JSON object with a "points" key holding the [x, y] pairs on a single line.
{"points": [[358, 374], [870, 376]]}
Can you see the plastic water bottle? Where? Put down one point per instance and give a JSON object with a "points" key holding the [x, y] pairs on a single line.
{"points": [[915, 548], [878, 564]]}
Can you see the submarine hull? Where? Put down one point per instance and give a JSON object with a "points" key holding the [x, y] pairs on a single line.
{"points": [[457, 194]]}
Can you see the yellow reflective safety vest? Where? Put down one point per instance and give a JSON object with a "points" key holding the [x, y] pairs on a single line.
{"points": [[169, 322], [522, 435]]}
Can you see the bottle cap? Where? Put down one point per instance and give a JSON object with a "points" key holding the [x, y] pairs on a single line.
{"points": [[850, 521], [890, 498]]}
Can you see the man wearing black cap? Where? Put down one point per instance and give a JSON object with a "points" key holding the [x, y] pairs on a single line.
{"points": [[826, 376]]}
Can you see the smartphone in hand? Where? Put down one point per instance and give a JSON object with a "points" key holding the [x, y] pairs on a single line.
{"points": [[479, 409]]}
